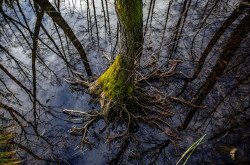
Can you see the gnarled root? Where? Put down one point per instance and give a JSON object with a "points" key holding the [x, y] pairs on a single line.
{"points": [[157, 73], [89, 118], [123, 104]]}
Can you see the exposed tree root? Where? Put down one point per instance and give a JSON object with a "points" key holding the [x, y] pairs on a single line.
{"points": [[158, 74], [140, 107], [129, 115]]}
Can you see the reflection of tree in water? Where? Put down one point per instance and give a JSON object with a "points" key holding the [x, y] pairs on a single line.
{"points": [[192, 79]]}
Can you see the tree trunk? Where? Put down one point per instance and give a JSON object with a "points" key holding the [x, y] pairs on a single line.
{"points": [[116, 84]]}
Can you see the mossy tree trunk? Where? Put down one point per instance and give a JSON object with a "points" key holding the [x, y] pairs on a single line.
{"points": [[116, 84]]}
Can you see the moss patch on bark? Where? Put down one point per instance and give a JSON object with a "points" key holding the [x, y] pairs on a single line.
{"points": [[114, 82], [130, 13]]}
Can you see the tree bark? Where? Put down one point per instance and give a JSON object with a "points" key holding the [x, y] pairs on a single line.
{"points": [[117, 82]]}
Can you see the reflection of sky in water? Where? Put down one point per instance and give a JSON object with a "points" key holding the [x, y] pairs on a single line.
{"points": [[60, 96], [63, 96]]}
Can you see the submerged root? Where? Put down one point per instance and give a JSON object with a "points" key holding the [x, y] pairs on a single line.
{"points": [[78, 82], [89, 119], [125, 104], [159, 74], [128, 115]]}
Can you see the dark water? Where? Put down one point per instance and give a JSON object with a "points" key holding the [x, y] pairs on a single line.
{"points": [[53, 142]]}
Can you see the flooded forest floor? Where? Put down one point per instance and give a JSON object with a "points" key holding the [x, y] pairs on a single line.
{"points": [[193, 76]]}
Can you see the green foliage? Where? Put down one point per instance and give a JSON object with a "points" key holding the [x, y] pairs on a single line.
{"points": [[190, 150], [6, 154]]}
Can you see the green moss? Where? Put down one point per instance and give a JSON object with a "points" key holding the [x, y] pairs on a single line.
{"points": [[130, 13], [115, 81]]}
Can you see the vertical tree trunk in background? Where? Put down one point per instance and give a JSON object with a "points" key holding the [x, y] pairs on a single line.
{"points": [[34, 58], [166, 21], [104, 17], [117, 82], [149, 11], [96, 25], [107, 10], [179, 27], [89, 21]]}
